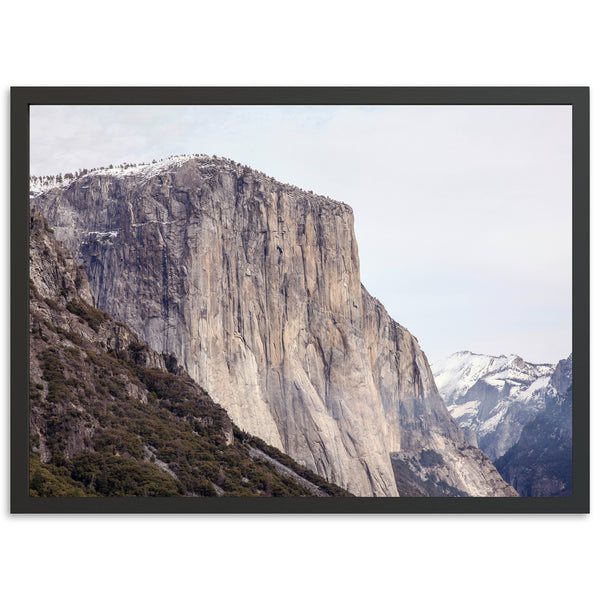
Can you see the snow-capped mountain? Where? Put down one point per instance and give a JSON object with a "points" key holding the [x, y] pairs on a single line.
{"points": [[492, 397], [541, 462]]}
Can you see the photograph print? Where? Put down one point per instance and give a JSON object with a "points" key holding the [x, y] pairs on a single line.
{"points": [[305, 300]]}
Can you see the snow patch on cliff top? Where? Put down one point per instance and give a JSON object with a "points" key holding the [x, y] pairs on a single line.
{"points": [[146, 171], [38, 185]]}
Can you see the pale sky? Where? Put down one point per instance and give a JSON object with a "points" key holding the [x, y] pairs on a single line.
{"points": [[462, 213]]}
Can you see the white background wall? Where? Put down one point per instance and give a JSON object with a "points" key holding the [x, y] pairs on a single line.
{"points": [[311, 43]]}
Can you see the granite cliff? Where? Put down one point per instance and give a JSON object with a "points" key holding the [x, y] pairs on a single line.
{"points": [[254, 286], [109, 416]]}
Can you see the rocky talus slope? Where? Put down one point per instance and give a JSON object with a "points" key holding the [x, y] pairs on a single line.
{"points": [[111, 417], [254, 286]]}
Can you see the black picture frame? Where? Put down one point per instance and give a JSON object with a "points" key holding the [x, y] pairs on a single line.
{"points": [[23, 97]]}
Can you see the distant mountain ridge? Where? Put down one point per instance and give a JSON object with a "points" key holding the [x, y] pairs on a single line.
{"points": [[519, 413], [492, 397], [541, 462]]}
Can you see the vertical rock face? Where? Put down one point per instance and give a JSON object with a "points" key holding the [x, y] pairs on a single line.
{"points": [[255, 287], [108, 416]]}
